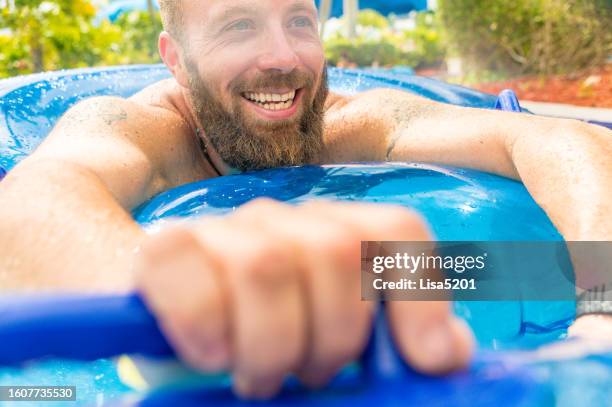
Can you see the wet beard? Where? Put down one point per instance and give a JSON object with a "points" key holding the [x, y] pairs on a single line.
{"points": [[250, 145]]}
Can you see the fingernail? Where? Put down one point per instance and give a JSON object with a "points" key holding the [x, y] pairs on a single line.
{"points": [[438, 345], [217, 357], [242, 386], [249, 388]]}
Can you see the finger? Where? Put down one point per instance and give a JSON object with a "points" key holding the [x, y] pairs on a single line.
{"points": [[267, 305], [179, 283], [329, 255], [592, 326], [427, 335]]}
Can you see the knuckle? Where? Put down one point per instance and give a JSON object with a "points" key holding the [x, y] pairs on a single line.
{"points": [[165, 243], [344, 255], [261, 206], [268, 263], [318, 204], [402, 223]]}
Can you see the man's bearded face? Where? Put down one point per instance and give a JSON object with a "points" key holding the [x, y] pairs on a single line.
{"points": [[252, 132]]}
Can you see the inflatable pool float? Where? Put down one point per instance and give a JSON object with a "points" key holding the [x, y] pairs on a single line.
{"points": [[80, 334]]}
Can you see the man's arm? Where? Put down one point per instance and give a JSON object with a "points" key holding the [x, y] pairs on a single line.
{"points": [[64, 210], [563, 163]]}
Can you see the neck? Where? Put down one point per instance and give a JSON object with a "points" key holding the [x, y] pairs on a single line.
{"points": [[213, 156]]}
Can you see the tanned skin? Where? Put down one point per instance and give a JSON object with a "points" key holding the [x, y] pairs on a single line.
{"points": [[271, 289]]}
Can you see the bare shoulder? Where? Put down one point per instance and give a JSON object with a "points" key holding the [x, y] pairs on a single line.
{"points": [[354, 127], [140, 134], [110, 115]]}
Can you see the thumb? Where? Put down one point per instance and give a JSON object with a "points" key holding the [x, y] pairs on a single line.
{"points": [[429, 337]]}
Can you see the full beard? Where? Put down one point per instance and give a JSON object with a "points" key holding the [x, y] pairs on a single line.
{"points": [[250, 145]]}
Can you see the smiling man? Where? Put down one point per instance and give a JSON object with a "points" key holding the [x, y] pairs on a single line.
{"points": [[272, 289]]}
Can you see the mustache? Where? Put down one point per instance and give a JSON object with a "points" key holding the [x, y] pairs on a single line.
{"points": [[295, 79]]}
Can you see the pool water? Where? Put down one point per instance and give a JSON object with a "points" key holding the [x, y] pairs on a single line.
{"points": [[97, 382]]}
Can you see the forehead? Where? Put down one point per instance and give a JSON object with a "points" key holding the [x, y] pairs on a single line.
{"points": [[208, 10]]}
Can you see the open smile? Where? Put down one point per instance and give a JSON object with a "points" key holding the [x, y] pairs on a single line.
{"points": [[274, 105]]}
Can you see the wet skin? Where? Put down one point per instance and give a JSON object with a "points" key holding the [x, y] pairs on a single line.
{"points": [[304, 315]]}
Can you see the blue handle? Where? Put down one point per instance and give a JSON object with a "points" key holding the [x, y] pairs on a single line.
{"points": [[508, 102], [77, 327], [90, 328]]}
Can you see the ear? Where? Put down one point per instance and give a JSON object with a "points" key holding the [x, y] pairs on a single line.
{"points": [[170, 50]]}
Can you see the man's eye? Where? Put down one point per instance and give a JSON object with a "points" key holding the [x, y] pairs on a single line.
{"points": [[241, 25], [302, 22]]}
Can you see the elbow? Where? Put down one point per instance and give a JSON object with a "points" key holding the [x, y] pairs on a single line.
{"points": [[583, 130], [564, 136]]}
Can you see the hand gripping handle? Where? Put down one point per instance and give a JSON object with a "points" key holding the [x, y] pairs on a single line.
{"points": [[90, 328]]}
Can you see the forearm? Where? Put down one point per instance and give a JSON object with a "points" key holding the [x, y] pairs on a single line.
{"points": [[564, 164], [60, 228], [569, 173]]}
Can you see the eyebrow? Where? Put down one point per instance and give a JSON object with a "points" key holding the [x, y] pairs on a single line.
{"points": [[233, 11], [218, 19], [301, 7]]}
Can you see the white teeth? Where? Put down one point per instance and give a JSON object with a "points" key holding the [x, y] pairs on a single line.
{"points": [[272, 101], [270, 97]]}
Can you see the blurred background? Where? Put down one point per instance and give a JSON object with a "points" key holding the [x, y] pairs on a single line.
{"points": [[546, 50]]}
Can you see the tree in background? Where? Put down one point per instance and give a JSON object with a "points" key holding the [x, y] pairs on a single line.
{"points": [[139, 32], [501, 36], [44, 35], [48, 35], [380, 42], [528, 36]]}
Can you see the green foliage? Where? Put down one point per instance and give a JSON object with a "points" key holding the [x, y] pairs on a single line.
{"points": [[503, 37], [139, 37], [364, 52], [379, 44], [528, 36], [13, 57], [49, 35], [426, 38], [371, 18]]}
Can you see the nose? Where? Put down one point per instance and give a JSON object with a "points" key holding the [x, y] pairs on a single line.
{"points": [[277, 53]]}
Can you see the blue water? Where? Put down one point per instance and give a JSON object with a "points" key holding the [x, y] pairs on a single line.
{"points": [[460, 205], [97, 382]]}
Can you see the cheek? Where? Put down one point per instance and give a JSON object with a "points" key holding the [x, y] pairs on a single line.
{"points": [[312, 57], [227, 67]]}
